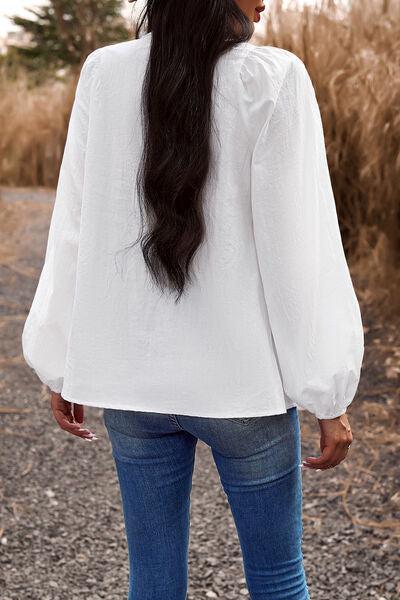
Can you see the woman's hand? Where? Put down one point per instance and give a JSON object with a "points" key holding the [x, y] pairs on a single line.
{"points": [[70, 421], [336, 437]]}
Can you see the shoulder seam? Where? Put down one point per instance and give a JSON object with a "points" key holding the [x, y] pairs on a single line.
{"points": [[265, 127], [291, 55], [94, 59], [248, 49], [94, 56]]}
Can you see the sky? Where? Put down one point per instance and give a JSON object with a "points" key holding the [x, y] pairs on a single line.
{"points": [[14, 7]]}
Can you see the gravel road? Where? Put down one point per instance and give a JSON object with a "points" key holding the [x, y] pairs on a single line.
{"points": [[61, 528]]}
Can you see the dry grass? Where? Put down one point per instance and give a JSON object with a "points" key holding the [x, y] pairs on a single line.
{"points": [[354, 62], [33, 125]]}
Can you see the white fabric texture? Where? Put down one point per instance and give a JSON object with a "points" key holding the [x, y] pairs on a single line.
{"points": [[271, 319]]}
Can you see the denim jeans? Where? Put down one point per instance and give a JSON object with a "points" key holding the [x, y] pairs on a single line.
{"points": [[258, 461]]}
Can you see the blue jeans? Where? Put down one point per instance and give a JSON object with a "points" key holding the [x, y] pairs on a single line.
{"points": [[258, 460]]}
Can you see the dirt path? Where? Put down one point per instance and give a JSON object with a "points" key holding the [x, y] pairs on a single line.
{"points": [[61, 527]]}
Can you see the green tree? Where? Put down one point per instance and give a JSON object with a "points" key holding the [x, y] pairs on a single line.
{"points": [[63, 32]]}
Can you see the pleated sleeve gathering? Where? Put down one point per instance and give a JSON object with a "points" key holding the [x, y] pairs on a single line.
{"points": [[312, 306], [46, 329]]}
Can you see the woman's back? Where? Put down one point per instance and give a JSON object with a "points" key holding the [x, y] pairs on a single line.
{"points": [[270, 319]]}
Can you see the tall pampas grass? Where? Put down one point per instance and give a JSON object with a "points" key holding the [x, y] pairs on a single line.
{"points": [[33, 125]]}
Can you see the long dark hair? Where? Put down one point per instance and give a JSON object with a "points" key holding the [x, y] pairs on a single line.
{"points": [[187, 37]]}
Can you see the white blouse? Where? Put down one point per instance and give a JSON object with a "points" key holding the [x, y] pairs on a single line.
{"points": [[271, 319]]}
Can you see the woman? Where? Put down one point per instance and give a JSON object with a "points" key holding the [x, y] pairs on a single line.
{"points": [[236, 308]]}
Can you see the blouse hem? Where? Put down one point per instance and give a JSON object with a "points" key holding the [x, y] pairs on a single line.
{"points": [[277, 410]]}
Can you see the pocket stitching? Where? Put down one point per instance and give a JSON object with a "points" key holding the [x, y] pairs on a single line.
{"points": [[241, 420]]}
